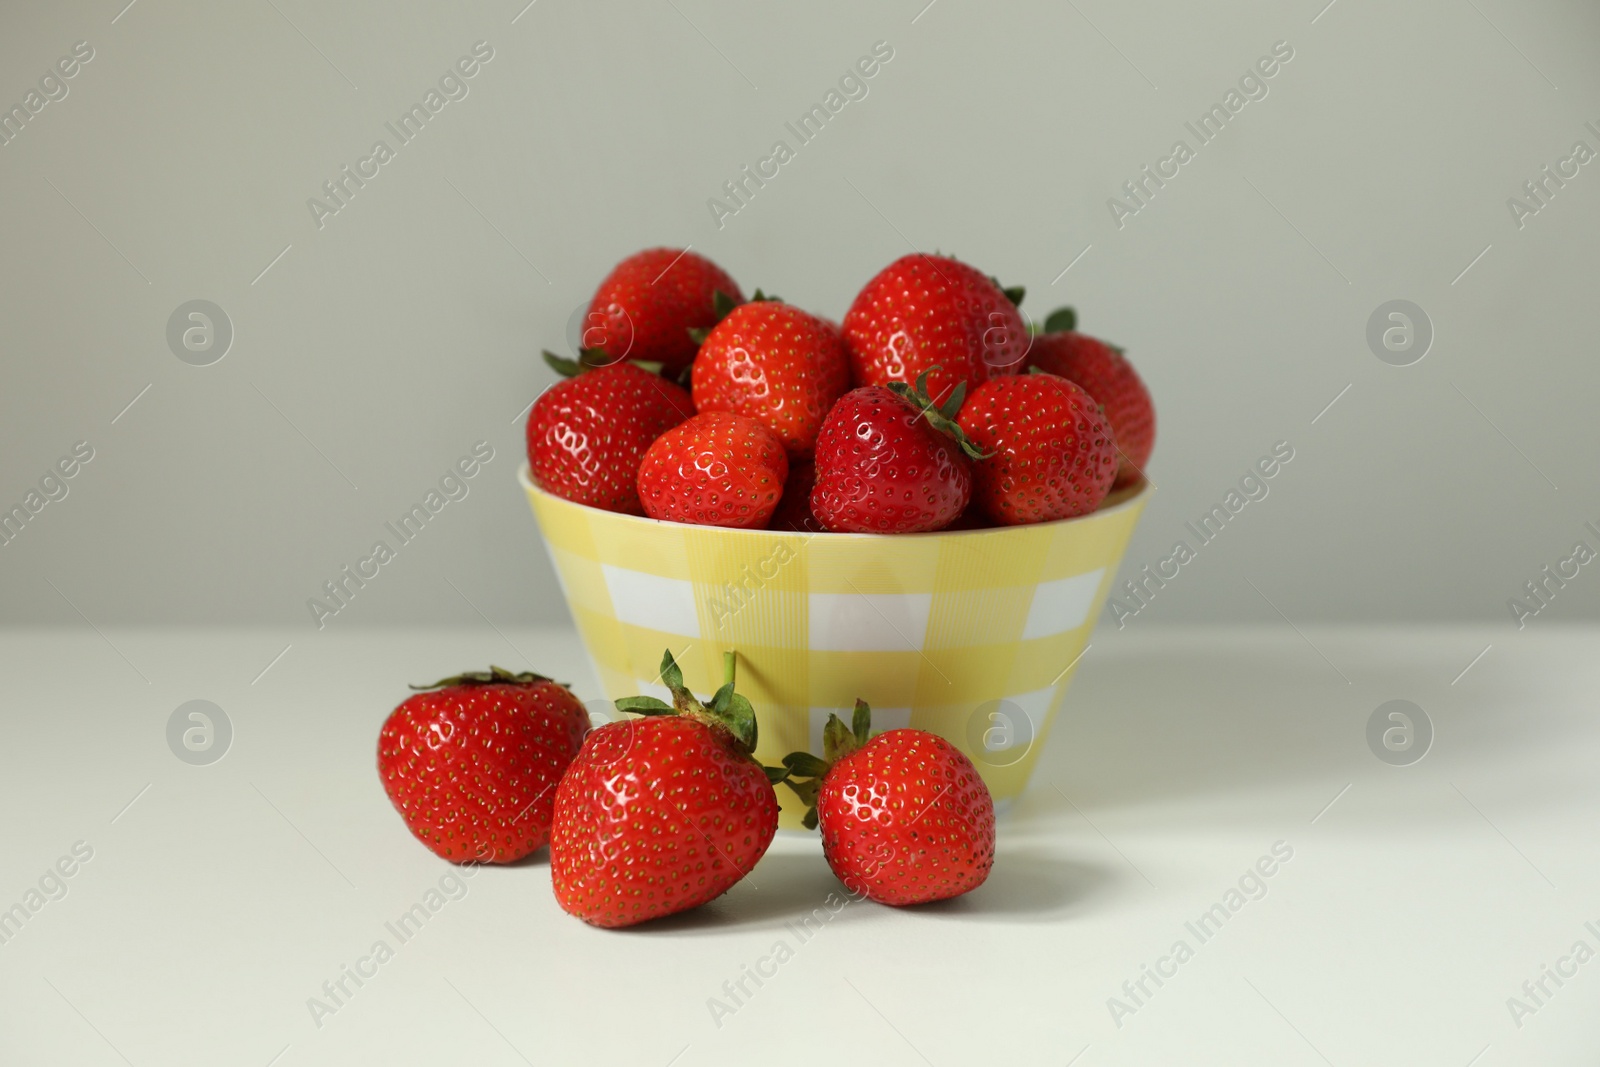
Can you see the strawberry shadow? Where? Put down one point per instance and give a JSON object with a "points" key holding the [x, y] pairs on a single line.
{"points": [[792, 887], [783, 886], [1026, 886], [539, 857]]}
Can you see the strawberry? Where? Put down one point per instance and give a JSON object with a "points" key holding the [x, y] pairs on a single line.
{"points": [[661, 814], [1051, 452], [905, 817], [646, 306], [1105, 373], [587, 435], [471, 762], [715, 469], [888, 461], [794, 509], [776, 364], [924, 311]]}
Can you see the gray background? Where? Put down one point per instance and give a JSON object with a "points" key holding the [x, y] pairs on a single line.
{"points": [[376, 350]]}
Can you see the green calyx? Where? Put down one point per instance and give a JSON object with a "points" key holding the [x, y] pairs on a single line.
{"points": [[803, 772], [1013, 293], [940, 417], [1061, 320], [1065, 320], [721, 305], [492, 676], [591, 359], [728, 709]]}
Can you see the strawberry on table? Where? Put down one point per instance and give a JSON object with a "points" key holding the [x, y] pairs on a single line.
{"points": [[1051, 453], [776, 364], [715, 469], [587, 435], [646, 306], [924, 311], [663, 813], [1105, 373], [471, 763], [888, 461], [905, 818]]}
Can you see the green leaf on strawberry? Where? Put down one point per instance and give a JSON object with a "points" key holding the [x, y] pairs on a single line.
{"points": [[941, 418], [728, 709], [1061, 320]]}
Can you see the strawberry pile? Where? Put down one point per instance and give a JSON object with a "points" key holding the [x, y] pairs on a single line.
{"points": [[668, 809], [933, 405]]}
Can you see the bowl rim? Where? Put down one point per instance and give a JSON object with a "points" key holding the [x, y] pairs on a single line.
{"points": [[1136, 498]]}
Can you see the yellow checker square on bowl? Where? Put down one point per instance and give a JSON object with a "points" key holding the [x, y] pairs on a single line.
{"points": [[972, 634]]}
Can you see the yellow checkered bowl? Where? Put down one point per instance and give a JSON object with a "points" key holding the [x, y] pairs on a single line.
{"points": [[971, 634]]}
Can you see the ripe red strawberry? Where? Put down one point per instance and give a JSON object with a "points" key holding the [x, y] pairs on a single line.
{"points": [[776, 364], [661, 814], [587, 435], [646, 306], [922, 312], [472, 762], [1105, 373], [1051, 452], [716, 469], [890, 462], [794, 509], [905, 817]]}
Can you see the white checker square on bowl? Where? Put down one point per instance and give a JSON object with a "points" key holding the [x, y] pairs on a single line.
{"points": [[653, 602], [868, 622], [882, 719], [1061, 605]]}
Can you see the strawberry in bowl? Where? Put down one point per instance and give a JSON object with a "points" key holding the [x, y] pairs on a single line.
{"points": [[925, 507]]}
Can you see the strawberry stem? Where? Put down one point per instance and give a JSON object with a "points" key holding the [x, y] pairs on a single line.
{"points": [[730, 710], [804, 772], [941, 418], [493, 676]]}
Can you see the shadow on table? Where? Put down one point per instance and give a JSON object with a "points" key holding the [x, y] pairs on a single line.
{"points": [[784, 886], [1161, 721], [539, 857], [789, 888], [1027, 886]]}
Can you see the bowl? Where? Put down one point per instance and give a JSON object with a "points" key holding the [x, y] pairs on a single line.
{"points": [[971, 634]]}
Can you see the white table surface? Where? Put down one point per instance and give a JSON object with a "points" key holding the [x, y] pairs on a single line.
{"points": [[223, 896]]}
